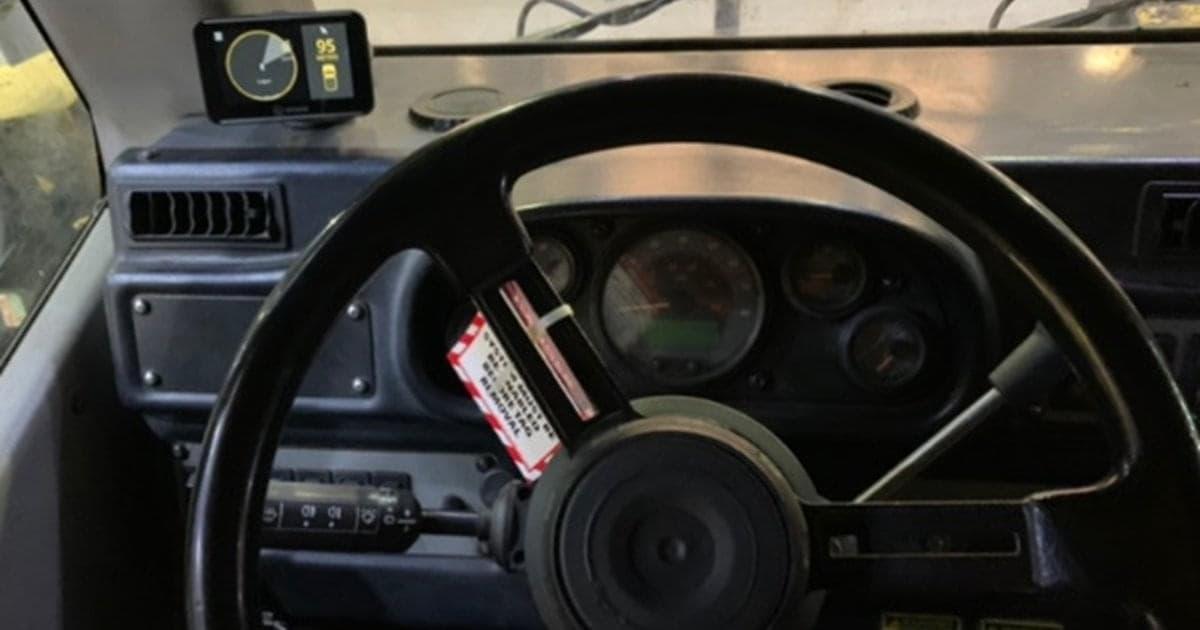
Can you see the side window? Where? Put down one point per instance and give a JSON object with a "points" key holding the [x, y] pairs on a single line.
{"points": [[49, 170]]}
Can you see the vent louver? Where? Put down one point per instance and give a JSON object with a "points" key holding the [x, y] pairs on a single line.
{"points": [[239, 216], [1169, 220]]}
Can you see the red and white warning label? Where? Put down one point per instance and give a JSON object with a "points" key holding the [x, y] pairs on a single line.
{"points": [[504, 397]]}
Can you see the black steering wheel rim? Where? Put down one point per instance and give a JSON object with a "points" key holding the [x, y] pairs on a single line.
{"points": [[423, 203]]}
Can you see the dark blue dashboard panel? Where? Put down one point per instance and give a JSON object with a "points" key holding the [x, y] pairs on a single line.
{"points": [[792, 377], [173, 299]]}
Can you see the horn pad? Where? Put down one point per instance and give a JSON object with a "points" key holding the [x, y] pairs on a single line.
{"points": [[668, 522]]}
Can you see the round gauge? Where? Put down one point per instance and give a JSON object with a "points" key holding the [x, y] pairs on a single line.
{"points": [[825, 278], [261, 66], [682, 305], [556, 262], [886, 350]]}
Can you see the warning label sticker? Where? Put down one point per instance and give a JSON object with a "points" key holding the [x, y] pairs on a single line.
{"points": [[504, 397]]}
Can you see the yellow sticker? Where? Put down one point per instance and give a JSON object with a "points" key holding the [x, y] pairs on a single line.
{"points": [[910, 621], [1018, 624]]}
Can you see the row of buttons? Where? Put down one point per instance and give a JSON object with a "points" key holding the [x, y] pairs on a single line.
{"points": [[320, 517], [391, 510], [380, 478]]}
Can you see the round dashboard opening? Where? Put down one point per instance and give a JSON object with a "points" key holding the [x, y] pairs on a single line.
{"points": [[683, 306]]}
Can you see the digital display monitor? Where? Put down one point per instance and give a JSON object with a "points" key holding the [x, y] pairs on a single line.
{"points": [[310, 66]]}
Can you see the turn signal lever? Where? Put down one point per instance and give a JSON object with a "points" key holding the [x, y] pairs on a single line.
{"points": [[1032, 370], [363, 518]]}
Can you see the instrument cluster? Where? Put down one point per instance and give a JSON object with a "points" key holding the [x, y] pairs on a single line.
{"points": [[772, 304]]}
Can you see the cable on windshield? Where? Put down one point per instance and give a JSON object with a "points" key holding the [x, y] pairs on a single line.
{"points": [[1074, 19], [619, 16], [577, 10], [998, 14]]}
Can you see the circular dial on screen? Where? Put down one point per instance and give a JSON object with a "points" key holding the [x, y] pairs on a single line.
{"points": [[683, 305], [261, 65]]}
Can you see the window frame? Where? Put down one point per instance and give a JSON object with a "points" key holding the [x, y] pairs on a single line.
{"points": [[98, 206]]}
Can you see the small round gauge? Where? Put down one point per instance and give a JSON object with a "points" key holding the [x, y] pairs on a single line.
{"points": [[261, 66], [886, 350], [825, 278], [683, 305], [556, 262]]}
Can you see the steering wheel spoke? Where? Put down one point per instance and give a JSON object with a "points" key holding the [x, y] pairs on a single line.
{"points": [[922, 547], [918, 548], [545, 344], [1044, 544]]}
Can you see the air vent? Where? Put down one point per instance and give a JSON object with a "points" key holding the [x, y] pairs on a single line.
{"points": [[882, 94], [239, 216], [1169, 220]]}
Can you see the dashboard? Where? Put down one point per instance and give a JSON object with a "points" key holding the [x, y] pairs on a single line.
{"points": [[819, 320], [842, 320]]}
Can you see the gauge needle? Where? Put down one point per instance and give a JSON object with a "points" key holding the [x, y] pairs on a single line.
{"points": [[275, 49], [886, 363], [649, 306]]}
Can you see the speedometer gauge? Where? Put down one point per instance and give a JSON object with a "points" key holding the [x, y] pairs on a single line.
{"points": [[682, 305]]}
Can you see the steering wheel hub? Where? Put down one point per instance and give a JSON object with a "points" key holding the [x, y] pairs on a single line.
{"points": [[665, 522]]}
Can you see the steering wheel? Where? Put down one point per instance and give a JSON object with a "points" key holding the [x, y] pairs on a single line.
{"points": [[618, 538]]}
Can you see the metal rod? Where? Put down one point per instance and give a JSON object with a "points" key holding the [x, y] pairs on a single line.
{"points": [[946, 437], [454, 523]]}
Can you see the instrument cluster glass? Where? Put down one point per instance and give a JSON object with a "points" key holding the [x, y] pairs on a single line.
{"points": [[683, 305], [825, 278], [557, 263], [887, 350]]}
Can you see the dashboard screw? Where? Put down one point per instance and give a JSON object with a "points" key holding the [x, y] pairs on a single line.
{"points": [[179, 451], [150, 378], [360, 385], [140, 306], [759, 380], [354, 311]]}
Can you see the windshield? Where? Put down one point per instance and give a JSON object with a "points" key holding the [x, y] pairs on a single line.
{"points": [[417, 22]]}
